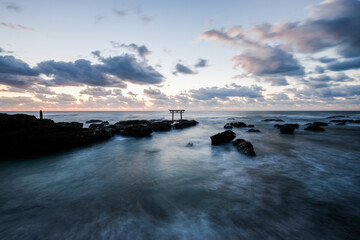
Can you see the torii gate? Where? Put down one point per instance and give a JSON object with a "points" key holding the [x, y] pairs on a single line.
{"points": [[176, 111]]}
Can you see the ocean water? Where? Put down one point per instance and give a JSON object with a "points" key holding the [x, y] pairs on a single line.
{"points": [[301, 186]]}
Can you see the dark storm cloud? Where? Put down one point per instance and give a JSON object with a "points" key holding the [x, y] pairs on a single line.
{"points": [[267, 60], [233, 90], [180, 68], [341, 77], [345, 65]]}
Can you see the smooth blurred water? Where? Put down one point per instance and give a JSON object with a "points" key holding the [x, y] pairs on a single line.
{"points": [[301, 186]]}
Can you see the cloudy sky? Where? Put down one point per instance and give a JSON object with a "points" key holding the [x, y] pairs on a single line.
{"points": [[197, 55]]}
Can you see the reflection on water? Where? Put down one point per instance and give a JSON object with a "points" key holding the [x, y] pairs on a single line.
{"points": [[305, 186]]}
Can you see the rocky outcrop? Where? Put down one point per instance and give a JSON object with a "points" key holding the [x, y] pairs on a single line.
{"points": [[235, 124], [321, 123], [228, 126], [137, 131], [244, 147], [24, 135], [161, 126], [184, 124], [223, 137], [94, 121]]}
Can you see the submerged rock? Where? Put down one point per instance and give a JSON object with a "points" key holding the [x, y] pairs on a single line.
{"points": [[238, 124], [273, 120], [251, 125], [253, 130], [321, 123], [337, 116], [223, 137], [287, 129], [244, 147], [93, 121], [228, 126], [315, 128]]}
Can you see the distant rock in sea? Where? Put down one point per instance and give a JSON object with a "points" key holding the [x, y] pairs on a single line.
{"points": [[244, 147], [273, 120]]}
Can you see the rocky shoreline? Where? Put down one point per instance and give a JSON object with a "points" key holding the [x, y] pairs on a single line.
{"points": [[24, 135]]}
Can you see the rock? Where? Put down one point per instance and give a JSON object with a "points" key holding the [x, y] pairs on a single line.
{"points": [[69, 125], [321, 123], [341, 123], [223, 137], [228, 126], [338, 121], [238, 124], [337, 116], [238, 141], [273, 120], [162, 126], [355, 121], [251, 125], [24, 136], [287, 129], [314, 127], [253, 130], [132, 122], [189, 144], [137, 131], [246, 148], [93, 121], [184, 124]]}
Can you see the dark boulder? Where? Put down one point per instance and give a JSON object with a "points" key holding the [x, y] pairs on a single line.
{"points": [[228, 126], [287, 129], [253, 130], [184, 124], [246, 148], [321, 123], [315, 128], [238, 124], [238, 141], [251, 125], [99, 125], [273, 120], [341, 124], [162, 126], [69, 125], [137, 131], [223, 137]]}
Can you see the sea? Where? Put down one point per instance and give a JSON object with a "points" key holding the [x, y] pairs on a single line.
{"points": [[176, 185]]}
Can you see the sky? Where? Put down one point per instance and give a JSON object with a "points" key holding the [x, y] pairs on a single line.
{"points": [[195, 55]]}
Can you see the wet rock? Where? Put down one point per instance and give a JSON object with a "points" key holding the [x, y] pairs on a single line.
{"points": [[238, 141], [354, 121], [337, 116], [94, 121], [245, 147], [162, 126], [228, 126], [287, 129], [273, 120], [137, 131], [223, 137], [340, 123], [189, 144], [184, 124], [321, 123], [253, 130], [238, 124], [251, 125], [23, 135], [98, 125], [315, 128]]}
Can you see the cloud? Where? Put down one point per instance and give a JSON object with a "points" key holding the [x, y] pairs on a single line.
{"points": [[340, 77], [345, 65], [97, 91], [276, 81], [120, 13], [96, 53], [141, 50], [11, 65], [332, 23], [233, 90], [201, 63], [267, 60], [11, 6], [16, 26], [147, 19], [155, 94], [279, 96], [180, 68]]}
